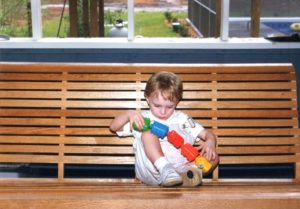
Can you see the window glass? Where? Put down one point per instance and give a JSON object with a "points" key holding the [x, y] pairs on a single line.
{"points": [[276, 17], [84, 18], [168, 18], [202, 14], [15, 18]]}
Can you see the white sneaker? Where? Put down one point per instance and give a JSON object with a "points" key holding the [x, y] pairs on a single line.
{"points": [[170, 177]]}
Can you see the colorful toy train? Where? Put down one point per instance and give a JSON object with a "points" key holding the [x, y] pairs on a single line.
{"points": [[187, 150]]}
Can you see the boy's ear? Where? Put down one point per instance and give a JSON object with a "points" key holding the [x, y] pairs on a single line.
{"points": [[147, 99]]}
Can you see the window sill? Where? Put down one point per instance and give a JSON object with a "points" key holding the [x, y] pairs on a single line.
{"points": [[145, 43]]}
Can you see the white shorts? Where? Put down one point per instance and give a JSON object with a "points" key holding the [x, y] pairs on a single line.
{"points": [[144, 169]]}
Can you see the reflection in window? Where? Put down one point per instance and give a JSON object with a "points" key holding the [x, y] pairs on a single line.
{"points": [[276, 17], [248, 18]]}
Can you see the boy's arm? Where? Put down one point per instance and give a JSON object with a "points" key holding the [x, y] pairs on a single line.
{"points": [[125, 117], [208, 148]]}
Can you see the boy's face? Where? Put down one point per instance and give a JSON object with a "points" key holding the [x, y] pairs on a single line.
{"points": [[161, 107]]}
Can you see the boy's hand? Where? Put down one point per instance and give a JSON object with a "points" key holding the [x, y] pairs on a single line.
{"points": [[207, 149], [135, 117]]}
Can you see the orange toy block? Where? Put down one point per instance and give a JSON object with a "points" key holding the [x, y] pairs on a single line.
{"points": [[175, 139], [190, 152]]}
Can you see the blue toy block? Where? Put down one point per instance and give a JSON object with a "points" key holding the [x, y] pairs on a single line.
{"points": [[159, 129]]}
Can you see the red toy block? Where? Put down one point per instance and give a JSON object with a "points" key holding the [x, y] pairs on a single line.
{"points": [[175, 139], [190, 152]]}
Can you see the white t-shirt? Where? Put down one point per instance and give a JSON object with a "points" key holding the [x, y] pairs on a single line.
{"points": [[179, 122]]}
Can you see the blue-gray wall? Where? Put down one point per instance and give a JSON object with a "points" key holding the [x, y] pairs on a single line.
{"points": [[153, 55]]}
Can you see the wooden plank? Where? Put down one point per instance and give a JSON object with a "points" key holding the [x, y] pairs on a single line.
{"points": [[103, 140], [104, 95], [31, 76], [259, 159], [31, 94], [128, 194], [98, 160], [30, 139], [144, 68], [86, 131], [256, 104], [66, 140], [19, 158], [30, 130], [258, 140], [25, 112], [256, 95], [103, 77], [32, 121], [257, 150], [251, 122], [103, 86], [256, 86], [268, 113], [29, 149], [30, 103], [98, 150], [102, 104], [31, 85], [253, 77], [257, 131], [87, 122]]}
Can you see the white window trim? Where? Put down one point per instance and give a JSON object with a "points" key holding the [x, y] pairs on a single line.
{"points": [[224, 42]]}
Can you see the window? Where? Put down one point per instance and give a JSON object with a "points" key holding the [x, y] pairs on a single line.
{"points": [[15, 18], [144, 23]]}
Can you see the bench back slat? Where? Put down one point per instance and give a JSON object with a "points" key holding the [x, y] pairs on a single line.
{"points": [[59, 114]]}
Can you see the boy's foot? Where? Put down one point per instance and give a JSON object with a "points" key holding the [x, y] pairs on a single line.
{"points": [[170, 177], [192, 177]]}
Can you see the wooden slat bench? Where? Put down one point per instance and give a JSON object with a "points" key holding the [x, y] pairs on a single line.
{"points": [[56, 115]]}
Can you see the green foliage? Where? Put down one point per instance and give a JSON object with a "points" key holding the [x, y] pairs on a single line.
{"points": [[183, 31], [12, 16], [168, 16]]}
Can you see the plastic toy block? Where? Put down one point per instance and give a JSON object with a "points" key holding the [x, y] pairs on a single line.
{"points": [[175, 139], [202, 162], [159, 129], [190, 152], [146, 126]]}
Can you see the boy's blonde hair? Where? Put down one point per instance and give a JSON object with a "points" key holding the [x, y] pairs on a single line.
{"points": [[167, 83]]}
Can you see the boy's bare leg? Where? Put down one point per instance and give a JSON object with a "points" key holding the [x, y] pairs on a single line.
{"points": [[151, 146]]}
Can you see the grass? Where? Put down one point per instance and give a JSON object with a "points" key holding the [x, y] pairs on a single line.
{"points": [[50, 28], [152, 24]]}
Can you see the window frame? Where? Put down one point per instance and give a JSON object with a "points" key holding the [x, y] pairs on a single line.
{"points": [[223, 42]]}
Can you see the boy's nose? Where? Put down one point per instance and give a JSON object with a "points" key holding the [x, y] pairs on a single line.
{"points": [[162, 111]]}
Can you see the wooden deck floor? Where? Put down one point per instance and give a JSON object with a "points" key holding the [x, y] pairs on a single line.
{"points": [[225, 196]]}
